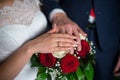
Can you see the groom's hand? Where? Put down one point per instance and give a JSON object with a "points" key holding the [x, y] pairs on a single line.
{"points": [[117, 68], [66, 25]]}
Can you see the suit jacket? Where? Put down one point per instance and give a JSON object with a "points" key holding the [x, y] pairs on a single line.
{"points": [[107, 28]]}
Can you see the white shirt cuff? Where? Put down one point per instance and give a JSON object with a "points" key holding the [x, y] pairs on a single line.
{"points": [[91, 19], [54, 11]]}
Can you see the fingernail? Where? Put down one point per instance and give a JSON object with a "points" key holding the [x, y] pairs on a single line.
{"points": [[74, 37], [76, 42], [75, 48], [75, 45]]}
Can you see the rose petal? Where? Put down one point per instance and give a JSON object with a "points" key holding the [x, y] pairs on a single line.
{"points": [[69, 64], [47, 59]]}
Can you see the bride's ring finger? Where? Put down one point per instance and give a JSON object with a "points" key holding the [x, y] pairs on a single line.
{"points": [[65, 44], [58, 44]]}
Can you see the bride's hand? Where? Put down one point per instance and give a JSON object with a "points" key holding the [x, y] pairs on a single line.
{"points": [[50, 42]]}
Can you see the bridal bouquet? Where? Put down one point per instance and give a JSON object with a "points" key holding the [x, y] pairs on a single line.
{"points": [[64, 66]]}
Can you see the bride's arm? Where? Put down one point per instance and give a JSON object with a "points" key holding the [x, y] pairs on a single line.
{"points": [[6, 3], [46, 43], [14, 63]]}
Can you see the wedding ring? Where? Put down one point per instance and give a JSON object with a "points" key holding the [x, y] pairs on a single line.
{"points": [[58, 44]]}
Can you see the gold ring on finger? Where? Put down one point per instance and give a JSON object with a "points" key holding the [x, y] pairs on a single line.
{"points": [[58, 44]]}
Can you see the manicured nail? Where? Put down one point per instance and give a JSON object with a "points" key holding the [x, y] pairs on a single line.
{"points": [[75, 45], [74, 37], [76, 42]]}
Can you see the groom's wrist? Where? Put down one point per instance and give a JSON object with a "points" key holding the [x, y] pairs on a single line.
{"points": [[54, 12]]}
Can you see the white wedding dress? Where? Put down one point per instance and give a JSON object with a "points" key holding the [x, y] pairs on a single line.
{"points": [[19, 23]]}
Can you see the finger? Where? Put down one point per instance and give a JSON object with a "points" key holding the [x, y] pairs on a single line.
{"points": [[66, 40], [69, 30], [56, 27], [117, 67], [76, 33], [79, 47], [62, 30], [117, 74], [62, 35], [53, 30], [71, 51], [82, 32], [66, 44], [62, 49]]}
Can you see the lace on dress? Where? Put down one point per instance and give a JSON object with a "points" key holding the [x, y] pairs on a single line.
{"points": [[21, 12]]}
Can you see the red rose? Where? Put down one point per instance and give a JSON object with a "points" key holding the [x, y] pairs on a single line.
{"points": [[69, 64], [47, 59], [85, 48]]}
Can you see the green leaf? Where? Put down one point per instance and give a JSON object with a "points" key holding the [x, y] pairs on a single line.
{"points": [[34, 61], [49, 77], [116, 78], [71, 76], [80, 74], [42, 76], [89, 72], [41, 69]]}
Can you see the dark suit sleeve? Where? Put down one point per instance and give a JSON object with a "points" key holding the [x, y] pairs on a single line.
{"points": [[48, 6]]}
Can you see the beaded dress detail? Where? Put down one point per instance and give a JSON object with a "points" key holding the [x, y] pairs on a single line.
{"points": [[21, 12], [20, 23]]}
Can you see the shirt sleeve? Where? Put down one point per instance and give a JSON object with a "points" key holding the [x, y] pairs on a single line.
{"points": [[54, 11]]}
